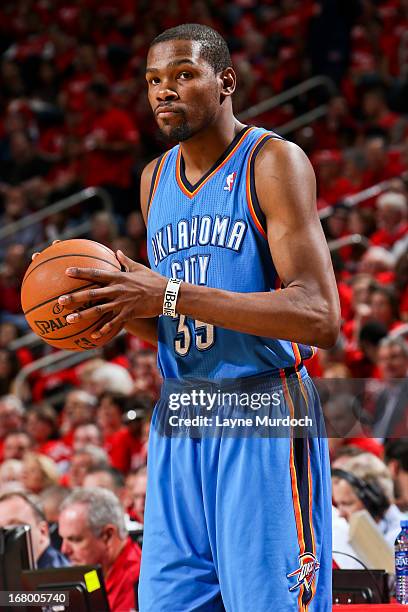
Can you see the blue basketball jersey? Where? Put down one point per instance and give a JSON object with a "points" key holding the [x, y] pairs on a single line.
{"points": [[213, 233]]}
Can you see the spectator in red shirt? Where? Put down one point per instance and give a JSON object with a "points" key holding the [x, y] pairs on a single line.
{"points": [[391, 219], [377, 113], [379, 165], [87, 433], [380, 263], [109, 146], [92, 527], [12, 271], [42, 426], [401, 283], [384, 306], [83, 460]]}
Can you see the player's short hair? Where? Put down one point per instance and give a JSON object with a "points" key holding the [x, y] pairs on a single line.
{"points": [[213, 48]]}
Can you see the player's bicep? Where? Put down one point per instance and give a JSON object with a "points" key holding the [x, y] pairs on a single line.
{"points": [[286, 191]]}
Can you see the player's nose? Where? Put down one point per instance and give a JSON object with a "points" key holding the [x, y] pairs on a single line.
{"points": [[166, 94]]}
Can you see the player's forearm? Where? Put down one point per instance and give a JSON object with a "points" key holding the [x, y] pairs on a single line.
{"points": [[292, 313], [146, 329]]}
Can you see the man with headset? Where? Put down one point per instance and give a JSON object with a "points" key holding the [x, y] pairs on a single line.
{"points": [[364, 482]]}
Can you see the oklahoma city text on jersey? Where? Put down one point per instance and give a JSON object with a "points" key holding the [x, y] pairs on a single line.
{"points": [[198, 231]]}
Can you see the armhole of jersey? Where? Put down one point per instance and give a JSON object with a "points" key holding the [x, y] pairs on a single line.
{"points": [[257, 214], [155, 180]]}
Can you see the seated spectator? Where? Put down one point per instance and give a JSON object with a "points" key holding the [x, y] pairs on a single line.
{"points": [[11, 472], [396, 458], [79, 408], [85, 434], [12, 271], [348, 494], [103, 228], [384, 306], [51, 500], [39, 472], [377, 114], [9, 368], [379, 263], [9, 332], [113, 480], [82, 460], [110, 420], [16, 444], [92, 528], [401, 283], [12, 416], [139, 493], [25, 162], [15, 209], [105, 478], [111, 378], [390, 414], [42, 426], [362, 360], [344, 428], [109, 144], [17, 508], [137, 419], [146, 373], [391, 219], [379, 165]]}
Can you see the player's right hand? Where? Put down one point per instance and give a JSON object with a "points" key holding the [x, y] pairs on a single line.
{"points": [[34, 255]]}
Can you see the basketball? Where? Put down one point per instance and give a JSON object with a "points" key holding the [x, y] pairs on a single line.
{"points": [[45, 281]]}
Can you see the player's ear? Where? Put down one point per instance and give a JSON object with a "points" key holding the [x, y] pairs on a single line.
{"points": [[228, 82]]}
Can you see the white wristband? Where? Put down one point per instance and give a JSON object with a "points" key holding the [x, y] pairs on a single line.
{"points": [[170, 297]]}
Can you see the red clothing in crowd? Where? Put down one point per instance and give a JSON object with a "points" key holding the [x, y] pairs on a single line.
{"points": [[368, 445], [385, 239], [125, 451], [103, 167], [121, 579]]}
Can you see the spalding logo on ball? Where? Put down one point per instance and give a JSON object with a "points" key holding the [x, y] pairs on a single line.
{"points": [[45, 281]]}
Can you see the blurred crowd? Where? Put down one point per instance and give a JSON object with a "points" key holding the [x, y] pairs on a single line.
{"points": [[74, 114]]}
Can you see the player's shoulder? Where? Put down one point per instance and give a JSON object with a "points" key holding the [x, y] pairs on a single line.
{"points": [[145, 185], [147, 172], [283, 156]]}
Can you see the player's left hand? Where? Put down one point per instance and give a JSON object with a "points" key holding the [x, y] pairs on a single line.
{"points": [[136, 293]]}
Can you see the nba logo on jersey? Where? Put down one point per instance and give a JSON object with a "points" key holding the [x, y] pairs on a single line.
{"points": [[230, 181]]}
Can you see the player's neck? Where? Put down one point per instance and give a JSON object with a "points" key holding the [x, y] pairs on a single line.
{"points": [[202, 150]]}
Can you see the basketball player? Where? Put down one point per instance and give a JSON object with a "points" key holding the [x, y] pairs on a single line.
{"points": [[240, 523]]}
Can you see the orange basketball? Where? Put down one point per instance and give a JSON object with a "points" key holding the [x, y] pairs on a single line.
{"points": [[45, 281]]}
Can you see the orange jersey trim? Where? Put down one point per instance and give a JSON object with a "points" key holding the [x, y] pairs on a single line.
{"points": [[255, 219], [156, 181], [295, 490]]}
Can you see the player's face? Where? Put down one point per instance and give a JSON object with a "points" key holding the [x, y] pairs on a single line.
{"points": [[183, 90]]}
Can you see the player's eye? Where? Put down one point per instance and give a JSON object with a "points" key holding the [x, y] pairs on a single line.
{"points": [[154, 80], [185, 75]]}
